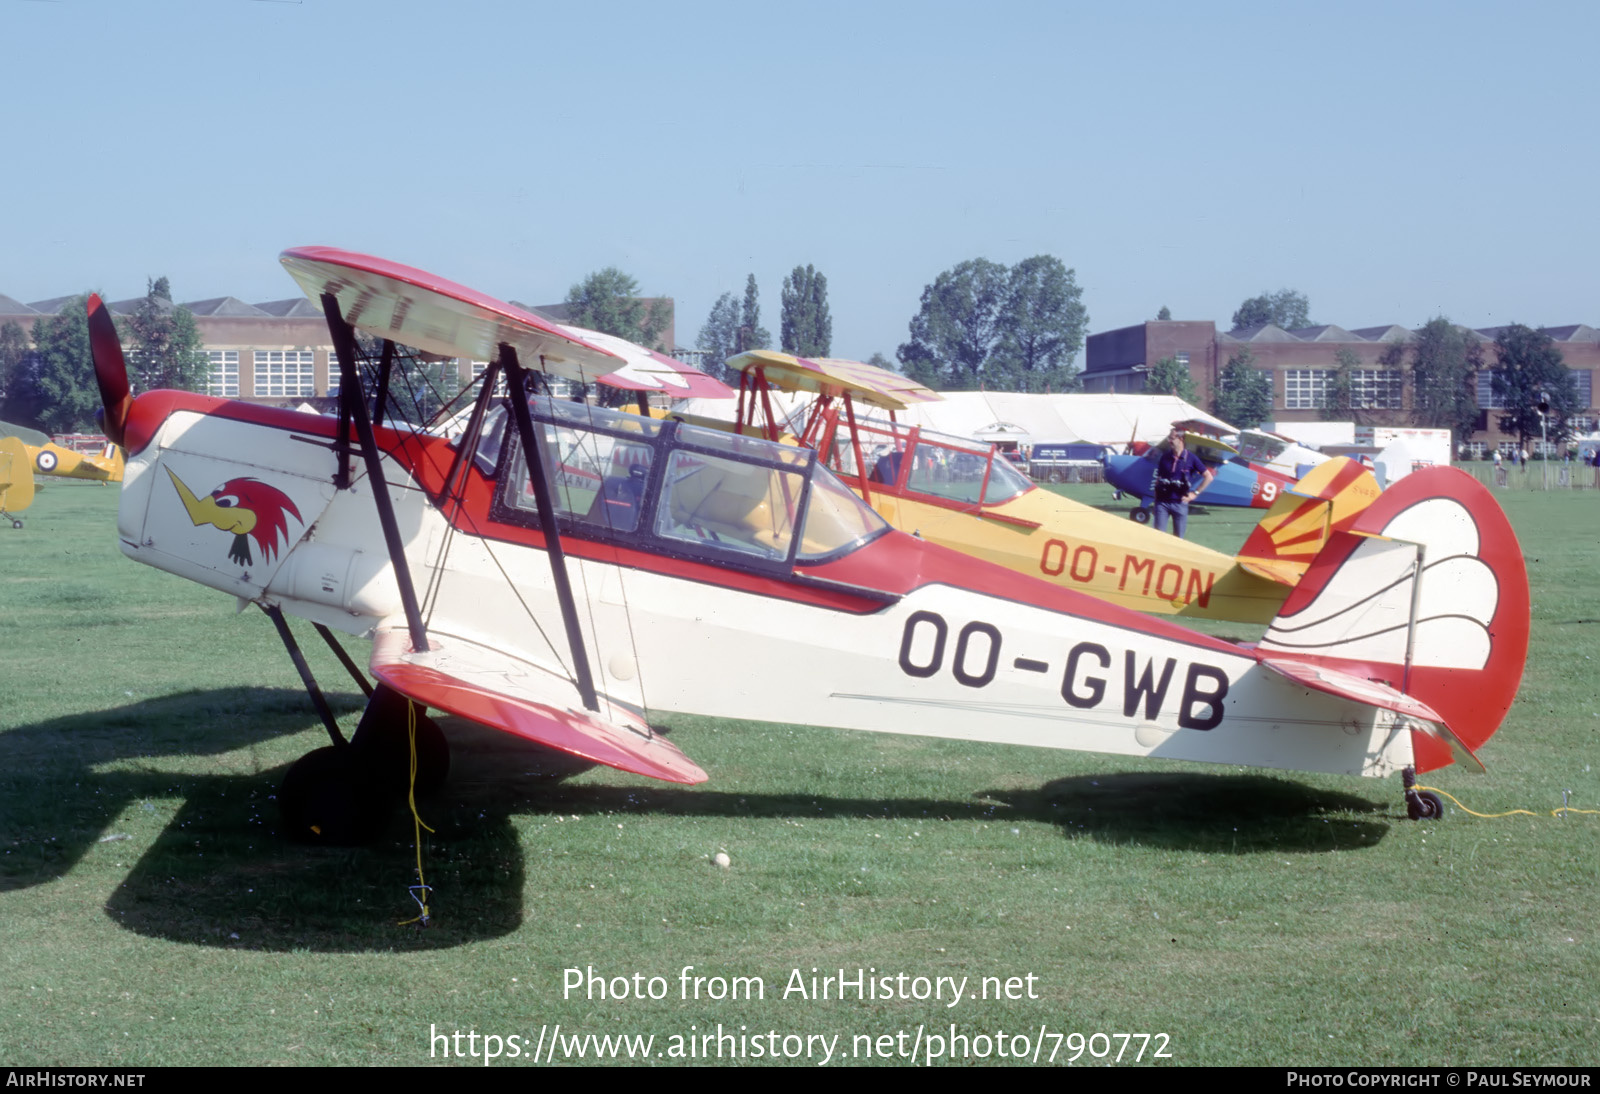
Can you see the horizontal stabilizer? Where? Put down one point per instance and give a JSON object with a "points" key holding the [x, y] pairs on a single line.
{"points": [[1373, 693], [486, 686]]}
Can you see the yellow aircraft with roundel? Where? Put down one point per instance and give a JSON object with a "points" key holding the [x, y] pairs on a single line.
{"points": [[965, 495], [20, 461]]}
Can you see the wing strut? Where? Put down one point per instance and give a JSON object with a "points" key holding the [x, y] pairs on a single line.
{"points": [[534, 453], [351, 402]]}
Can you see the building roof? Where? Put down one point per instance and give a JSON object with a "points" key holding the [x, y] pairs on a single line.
{"points": [[224, 305], [1573, 332], [1394, 332], [131, 305], [1327, 332], [54, 305], [8, 306], [1267, 332], [296, 307]]}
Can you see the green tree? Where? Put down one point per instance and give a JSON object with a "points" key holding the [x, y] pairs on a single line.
{"points": [[755, 336], [608, 301], [1170, 377], [1285, 308], [806, 328], [1529, 369], [163, 344], [1164, 314], [1244, 392], [1041, 325], [1342, 387], [13, 355], [61, 390], [957, 328], [878, 360], [1445, 361], [719, 337]]}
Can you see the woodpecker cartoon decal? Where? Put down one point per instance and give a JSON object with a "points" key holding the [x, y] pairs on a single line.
{"points": [[248, 508]]}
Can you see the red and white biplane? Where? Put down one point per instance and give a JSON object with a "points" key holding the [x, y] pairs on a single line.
{"points": [[560, 572]]}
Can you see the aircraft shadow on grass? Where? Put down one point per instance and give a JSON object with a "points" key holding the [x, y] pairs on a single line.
{"points": [[219, 874]]}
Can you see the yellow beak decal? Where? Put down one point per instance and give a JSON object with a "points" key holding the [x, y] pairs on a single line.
{"points": [[220, 512]]}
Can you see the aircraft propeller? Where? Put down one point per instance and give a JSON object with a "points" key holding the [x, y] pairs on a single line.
{"points": [[110, 369]]}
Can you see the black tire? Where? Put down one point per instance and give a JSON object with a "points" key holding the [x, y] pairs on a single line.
{"points": [[1056, 475], [16, 523], [1424, 805], [1141, 516], [382, 741], [329, 797]]}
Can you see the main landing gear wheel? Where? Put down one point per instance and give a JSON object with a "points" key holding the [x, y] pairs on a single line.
{"points": [[15, 523], [329, 796], [382, 742], [1058, 475], [1141, 516]]}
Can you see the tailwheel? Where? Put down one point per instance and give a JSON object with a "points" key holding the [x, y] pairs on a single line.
{"points": [[330, 796], [1424, 805], [1420, 804], [383, 741]]}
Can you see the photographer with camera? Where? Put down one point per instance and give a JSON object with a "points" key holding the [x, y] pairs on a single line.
{"points": [[1176, 470]]}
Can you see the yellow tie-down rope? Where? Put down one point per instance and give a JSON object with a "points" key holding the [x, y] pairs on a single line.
{"points": [[1560, 812], [419, 892]]}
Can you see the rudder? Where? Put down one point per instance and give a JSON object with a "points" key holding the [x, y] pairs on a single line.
{"points": [[1457, 640]]}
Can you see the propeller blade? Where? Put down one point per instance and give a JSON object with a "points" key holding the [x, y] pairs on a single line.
{"points": [[1131, 438], [110, 369]]}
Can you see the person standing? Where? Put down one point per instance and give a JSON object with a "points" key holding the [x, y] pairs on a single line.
{"points": [[1176, 470]]}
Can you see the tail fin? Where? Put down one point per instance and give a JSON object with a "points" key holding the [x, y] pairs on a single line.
{"points": [[1456, 640], [16, 476], [1327, 499]]}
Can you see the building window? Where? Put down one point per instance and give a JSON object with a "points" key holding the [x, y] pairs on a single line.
{"points": [[1475, 450], [1182, 359], [1487, 399], [1305, 388], [224, 378], [1583, 380], [1376, 389], [1581, 423], [286, 372]]}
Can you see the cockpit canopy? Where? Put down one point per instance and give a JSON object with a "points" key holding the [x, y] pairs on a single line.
{"points": [[920, 461], [677, 488]]}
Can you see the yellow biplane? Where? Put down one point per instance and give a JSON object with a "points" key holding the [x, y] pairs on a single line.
{"points": [[965, 495], [27, 452]]}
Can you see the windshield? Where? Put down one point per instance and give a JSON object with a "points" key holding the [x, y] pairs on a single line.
{"points": [[941, 466], [689, 490]]}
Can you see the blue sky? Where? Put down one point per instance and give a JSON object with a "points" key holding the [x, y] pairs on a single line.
{"points": [[1393, 161]]}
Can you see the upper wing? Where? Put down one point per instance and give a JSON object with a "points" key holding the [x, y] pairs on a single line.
{"points": [[416, 308], [488, 687], [832, 376], [647, 370]]}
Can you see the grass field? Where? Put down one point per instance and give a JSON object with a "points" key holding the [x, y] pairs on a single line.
{"points": [[150, 915]]}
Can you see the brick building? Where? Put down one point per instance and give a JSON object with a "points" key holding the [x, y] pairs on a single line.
{"points": [[277, 352], [1301, 364]]}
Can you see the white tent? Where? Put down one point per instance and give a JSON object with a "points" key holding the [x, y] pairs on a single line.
{"points": [[1007, 417], [1004, 416]]}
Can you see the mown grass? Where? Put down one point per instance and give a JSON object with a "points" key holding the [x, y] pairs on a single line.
{"points": [[149, 914]]}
